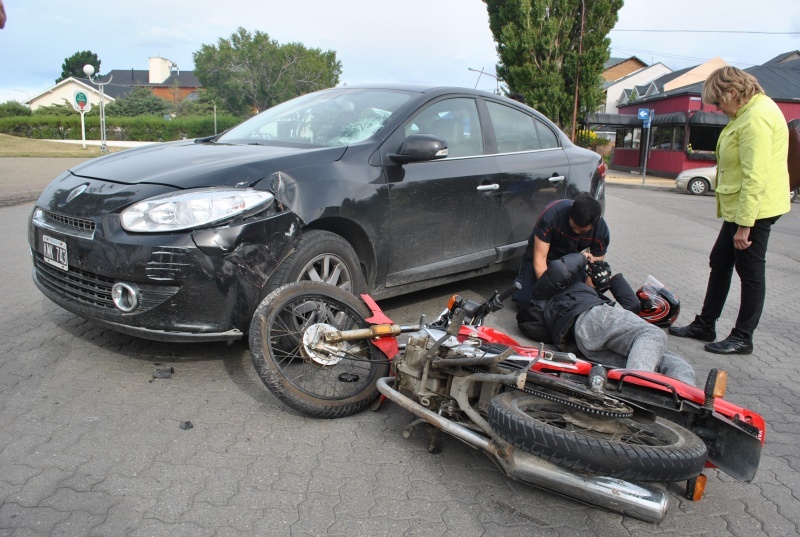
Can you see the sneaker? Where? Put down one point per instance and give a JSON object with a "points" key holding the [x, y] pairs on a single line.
{"points": [[697, 329]]}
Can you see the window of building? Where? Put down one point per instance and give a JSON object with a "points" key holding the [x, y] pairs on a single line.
{"points": [[667, 138], [704, 138], [628, 138]]}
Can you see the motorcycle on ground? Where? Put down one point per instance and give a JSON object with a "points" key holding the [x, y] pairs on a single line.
{"points": [[599, 435]]}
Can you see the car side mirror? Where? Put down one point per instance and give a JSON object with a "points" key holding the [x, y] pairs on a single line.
{"points": [[420, 148]]}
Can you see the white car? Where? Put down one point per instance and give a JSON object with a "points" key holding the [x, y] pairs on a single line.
{"points": [[697, 180]]}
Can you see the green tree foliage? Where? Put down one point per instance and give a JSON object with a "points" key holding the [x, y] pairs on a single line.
{"points": [[60, 110], [538, 43], [203, 105], [14, 109], [73, 66], [139, 102], [251, 72]]}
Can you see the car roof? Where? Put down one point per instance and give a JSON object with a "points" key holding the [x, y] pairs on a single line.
{"points": [[419, 88]]}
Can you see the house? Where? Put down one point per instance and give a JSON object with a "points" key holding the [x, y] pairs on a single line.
{"points": [[684, 130], [618, 91], [163, 78], [617, 68]]}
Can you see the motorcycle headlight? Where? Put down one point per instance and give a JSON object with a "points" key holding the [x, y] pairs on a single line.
{"points": [[192, 209]]}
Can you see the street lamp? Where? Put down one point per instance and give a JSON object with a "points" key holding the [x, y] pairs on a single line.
{"points": [[89, 70]]}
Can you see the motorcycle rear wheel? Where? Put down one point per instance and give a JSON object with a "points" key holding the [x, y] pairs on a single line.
{"points": [[615, 447], [315, 383]]}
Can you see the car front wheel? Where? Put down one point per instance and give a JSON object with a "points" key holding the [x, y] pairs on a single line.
{"points": [[321, 256], [698, 186]]}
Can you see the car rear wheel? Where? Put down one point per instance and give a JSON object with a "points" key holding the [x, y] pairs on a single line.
{"points": [[321, 256], [793, 195], [698, 186]]}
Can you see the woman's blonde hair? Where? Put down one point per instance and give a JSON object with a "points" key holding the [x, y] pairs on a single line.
{"points": [[730, 79]]}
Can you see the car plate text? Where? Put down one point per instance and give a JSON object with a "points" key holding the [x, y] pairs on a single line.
{"points": [[55, 252]]}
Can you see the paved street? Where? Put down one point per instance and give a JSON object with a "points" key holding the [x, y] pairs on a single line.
{"points": [[92, 444]]}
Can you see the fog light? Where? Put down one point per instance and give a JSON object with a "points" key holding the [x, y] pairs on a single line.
{"points": [[125, 296]]}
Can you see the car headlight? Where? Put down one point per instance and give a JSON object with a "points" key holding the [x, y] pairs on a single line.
{"points": [[186, 210]]}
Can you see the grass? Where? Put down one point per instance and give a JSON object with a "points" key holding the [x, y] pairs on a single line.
{"points": [[14, 146]]}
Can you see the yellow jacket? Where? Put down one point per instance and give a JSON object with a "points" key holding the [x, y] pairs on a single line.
{"points": [[752, 175]]}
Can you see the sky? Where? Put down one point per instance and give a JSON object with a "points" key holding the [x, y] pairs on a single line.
{"points": [[446, 42]]}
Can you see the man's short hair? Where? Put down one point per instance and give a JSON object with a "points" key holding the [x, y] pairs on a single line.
{"points": [[585, 211]]}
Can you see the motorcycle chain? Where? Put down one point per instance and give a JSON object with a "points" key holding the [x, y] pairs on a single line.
{"points": [[587, 407], [582, 406]]}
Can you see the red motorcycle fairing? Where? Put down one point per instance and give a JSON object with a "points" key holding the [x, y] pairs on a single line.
{"points": [[387, 344]]}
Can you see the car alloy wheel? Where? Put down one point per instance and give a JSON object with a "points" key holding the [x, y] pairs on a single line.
{"points": [[698, 186]]}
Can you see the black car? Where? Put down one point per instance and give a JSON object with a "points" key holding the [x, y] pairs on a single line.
{"points": [[383, 190]]}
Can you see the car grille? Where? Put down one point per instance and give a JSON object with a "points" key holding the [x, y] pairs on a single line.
{"points": [[88, 288], [81, 226], [76, 284]]}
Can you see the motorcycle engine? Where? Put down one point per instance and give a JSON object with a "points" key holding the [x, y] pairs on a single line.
{"points": [[420, 382]]}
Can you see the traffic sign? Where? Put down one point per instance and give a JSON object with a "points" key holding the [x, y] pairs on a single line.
{"points": [[646, 124], [644, 113]]}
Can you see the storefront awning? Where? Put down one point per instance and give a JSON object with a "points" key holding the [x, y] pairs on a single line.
{"points": [[672, 118], [613, 120], [709, 119]]}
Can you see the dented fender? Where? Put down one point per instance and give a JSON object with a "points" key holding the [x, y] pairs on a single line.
{"points": [[254, 247]]}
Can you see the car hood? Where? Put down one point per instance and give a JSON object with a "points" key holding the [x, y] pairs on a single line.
{"points": [[187, 164]]}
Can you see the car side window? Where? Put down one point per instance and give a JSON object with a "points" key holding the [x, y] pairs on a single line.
{"points": [[547, 138], [455, 121], [514, 130]]}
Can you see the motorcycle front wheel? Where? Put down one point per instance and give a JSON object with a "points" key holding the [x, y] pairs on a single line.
{"points": [[615, 447], [322, 381]]}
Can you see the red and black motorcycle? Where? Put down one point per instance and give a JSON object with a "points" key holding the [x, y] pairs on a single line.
{"points": [[549, 418]]}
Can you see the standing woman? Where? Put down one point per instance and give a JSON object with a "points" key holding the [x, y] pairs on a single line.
{"points": [[752, 192]]}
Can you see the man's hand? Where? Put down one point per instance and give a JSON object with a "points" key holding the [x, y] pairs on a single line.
{"points": [[741, 240]]}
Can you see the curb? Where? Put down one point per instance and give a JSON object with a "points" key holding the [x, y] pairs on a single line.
{"points": [[640, 186]]}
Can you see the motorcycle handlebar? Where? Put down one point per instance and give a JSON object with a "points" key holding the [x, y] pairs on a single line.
{"points": [[508, 292], [496, 302]]}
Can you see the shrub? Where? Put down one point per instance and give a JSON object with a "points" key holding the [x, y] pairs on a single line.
{"points": [[141, 128], [13, 108]]}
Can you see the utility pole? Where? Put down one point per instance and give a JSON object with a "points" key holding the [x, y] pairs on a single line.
{"points": [[578, 71]]}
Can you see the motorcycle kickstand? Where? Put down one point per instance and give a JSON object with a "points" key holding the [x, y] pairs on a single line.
{"points": [[434, 435]]}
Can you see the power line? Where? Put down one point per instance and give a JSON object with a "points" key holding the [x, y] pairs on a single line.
{"points": [[703, 31], [668, 55]]}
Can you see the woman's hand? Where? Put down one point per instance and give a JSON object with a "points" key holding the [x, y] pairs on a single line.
{"points": [[741, 239]]}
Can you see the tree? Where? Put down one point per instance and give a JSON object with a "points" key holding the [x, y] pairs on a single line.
{"points": [[139, 102], [538, 43], [73, 66], [251, 72], [203, 105]]}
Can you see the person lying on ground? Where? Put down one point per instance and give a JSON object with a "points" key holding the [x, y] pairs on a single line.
{"points": [[576, 318]]}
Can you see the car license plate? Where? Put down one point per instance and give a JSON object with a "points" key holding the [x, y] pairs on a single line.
{"points": [[55, 252]]}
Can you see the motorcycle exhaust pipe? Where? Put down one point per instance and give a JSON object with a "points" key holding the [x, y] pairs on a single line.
{"points": [[641, 501]]}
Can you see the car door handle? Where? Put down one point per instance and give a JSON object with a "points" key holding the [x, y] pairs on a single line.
{"points": [[493, 186], [556, 179]]}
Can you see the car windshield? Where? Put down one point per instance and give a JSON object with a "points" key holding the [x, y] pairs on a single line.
{"points": [[326, 118]]}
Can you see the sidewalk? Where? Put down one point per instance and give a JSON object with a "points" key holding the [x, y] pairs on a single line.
{"points": [[634, 180]]}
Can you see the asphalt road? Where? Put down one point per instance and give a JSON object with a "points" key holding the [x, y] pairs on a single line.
{"points": [[91, 444]]}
